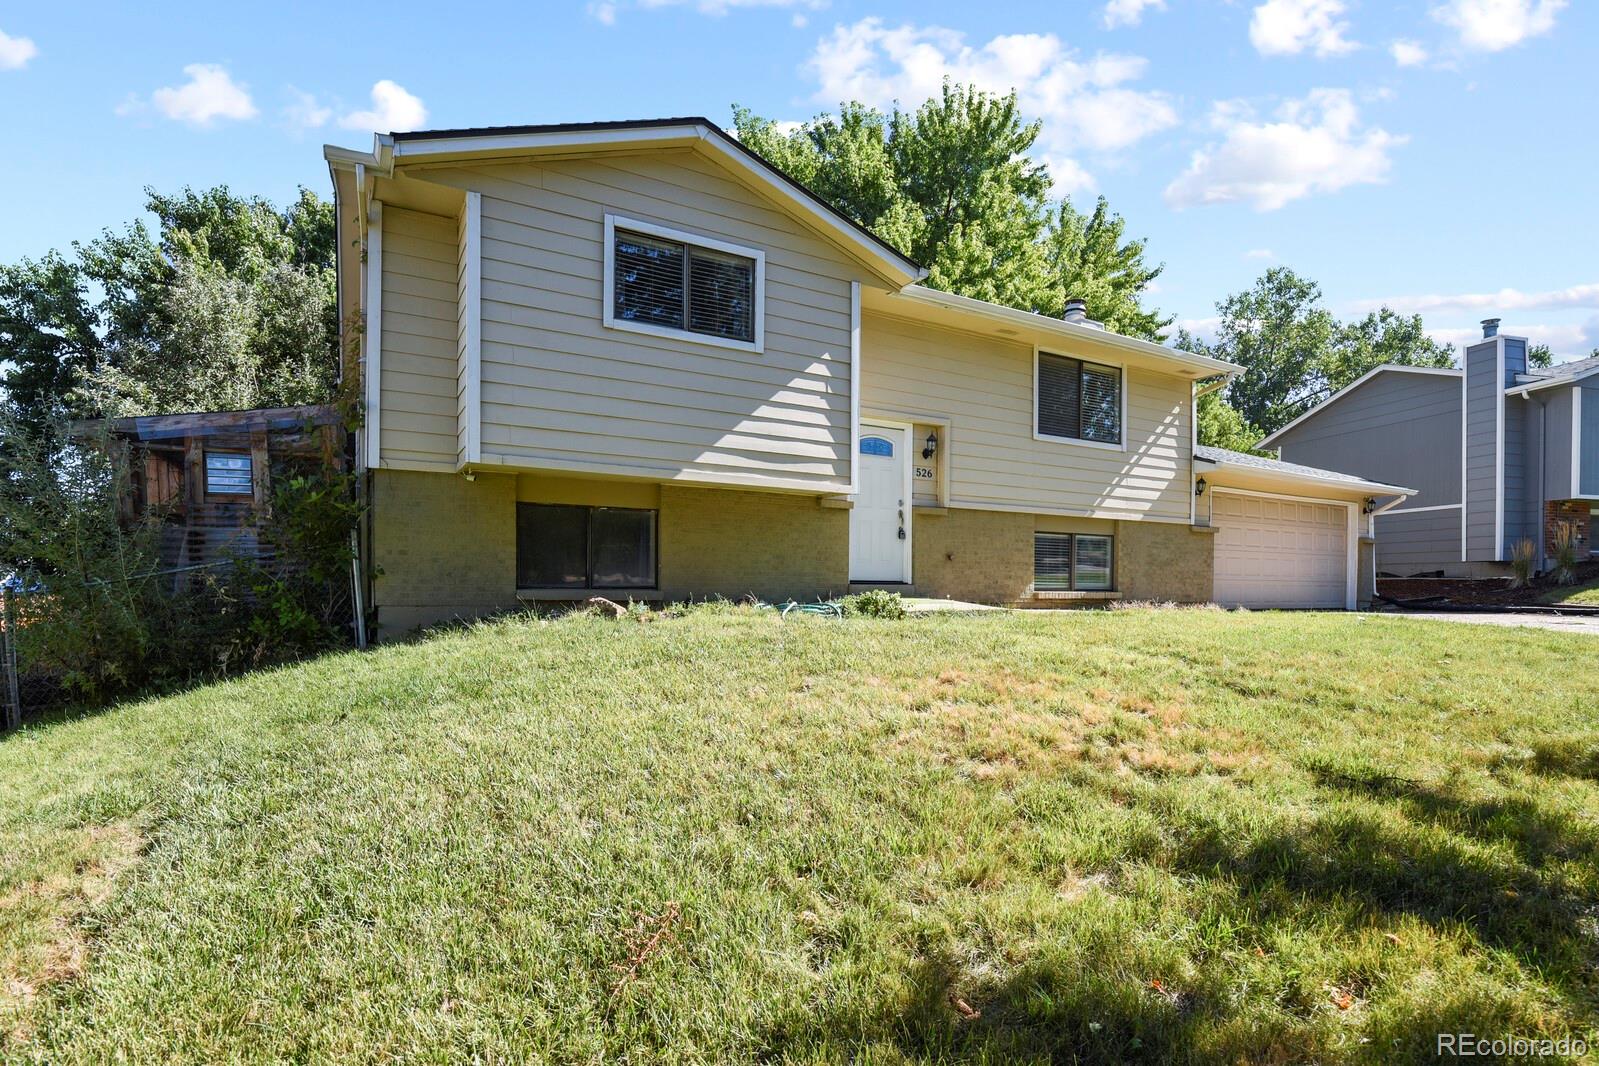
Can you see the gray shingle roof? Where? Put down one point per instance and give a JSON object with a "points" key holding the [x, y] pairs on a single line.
{"points": [[1576, 368], [1275, 466]]}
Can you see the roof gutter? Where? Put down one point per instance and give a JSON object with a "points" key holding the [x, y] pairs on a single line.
{"points": [[1061, 328], [1374, 488]]}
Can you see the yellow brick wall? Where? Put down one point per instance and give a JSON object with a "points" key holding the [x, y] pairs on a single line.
{"points": [[722, 542], [445, 547], [987, 557], [980, 556], [1164, 561]]}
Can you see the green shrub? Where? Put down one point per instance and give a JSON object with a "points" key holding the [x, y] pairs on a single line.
{"points": [[1522, 555], [1564, 556], [878, 603], [101, 619]]}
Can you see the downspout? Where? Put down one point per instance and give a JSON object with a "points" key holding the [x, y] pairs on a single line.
{"points": [[1197, 390], [1371, 531], [1543, 488]]}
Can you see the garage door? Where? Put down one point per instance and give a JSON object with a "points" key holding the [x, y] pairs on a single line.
{"points": [[1280, 553]]}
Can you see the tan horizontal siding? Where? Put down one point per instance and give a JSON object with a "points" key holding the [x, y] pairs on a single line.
{"points": [[559, 386], [984, 386], [420, 337]]}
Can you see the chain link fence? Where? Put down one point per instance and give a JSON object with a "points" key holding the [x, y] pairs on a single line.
{"points": [[28, 687], [34, 680]]}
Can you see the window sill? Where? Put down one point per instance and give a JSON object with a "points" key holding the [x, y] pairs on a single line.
{"points": [[687, 336], [1084, 594], [587, 594], [1101, 445]]}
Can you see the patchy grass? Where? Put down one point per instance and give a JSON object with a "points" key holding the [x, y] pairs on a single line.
{"points": [[1123, 836], [1586, 594]]}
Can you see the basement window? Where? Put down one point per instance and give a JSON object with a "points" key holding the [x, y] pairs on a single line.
{"points": [[667, 282], [565, 547], [1072, 562]]}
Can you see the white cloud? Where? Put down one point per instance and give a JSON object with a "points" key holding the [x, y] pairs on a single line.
{"points": [[1068, 176], [1288, 27], [1494, 25], [1086, 104], [1203, 328], [1408, 53], [603, 12], [16, 51], [305, 112], [393, 111], [1259, 253], [209, 94], [1491, 303], [1568, 340], [722, 7], [1313, 145], [1129, 12], [799, 21]]}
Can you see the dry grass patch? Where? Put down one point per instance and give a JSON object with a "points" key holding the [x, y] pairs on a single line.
{"points": [[42, 942]]}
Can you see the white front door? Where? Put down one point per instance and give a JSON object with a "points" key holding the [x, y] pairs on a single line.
{"points": [[880, 519]]}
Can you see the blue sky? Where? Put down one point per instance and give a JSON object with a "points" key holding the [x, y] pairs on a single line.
{"points": [[1438, 156]]}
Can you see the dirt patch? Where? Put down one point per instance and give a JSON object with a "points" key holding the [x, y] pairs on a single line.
{"points": [[1459, 592], [45, 944]]}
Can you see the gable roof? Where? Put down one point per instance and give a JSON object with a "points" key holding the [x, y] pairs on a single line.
{"points": [[690, 131], [1272, 438], [1226, 459]]}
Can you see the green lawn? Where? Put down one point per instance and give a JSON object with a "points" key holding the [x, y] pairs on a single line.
{"points": [[1130, 836], [1586, 594]]}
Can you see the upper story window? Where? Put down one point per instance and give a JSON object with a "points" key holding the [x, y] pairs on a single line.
{"points": [[1077, 401], [667, 282]]}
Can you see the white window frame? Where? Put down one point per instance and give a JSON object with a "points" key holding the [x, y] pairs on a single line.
{"points": [[1121, 370], [608, 297]]}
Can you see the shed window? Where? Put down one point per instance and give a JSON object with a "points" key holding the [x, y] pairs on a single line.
{"points": [[677, 285], [559, 546], [1067, 562], [228, 474], [1078, 400]]}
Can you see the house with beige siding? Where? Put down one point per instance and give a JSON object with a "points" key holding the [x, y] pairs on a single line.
{"points": [[636, 360]]}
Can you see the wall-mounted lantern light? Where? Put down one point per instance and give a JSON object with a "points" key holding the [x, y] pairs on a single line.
{"points": [[931, 446], [1199, 487], [1369, 505]]}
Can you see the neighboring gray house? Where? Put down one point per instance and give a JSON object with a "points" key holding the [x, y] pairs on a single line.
{"points": [[1498, 453]]}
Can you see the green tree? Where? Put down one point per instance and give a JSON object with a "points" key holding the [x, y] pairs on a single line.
{"points": [[1383, 337], [1280, 334], [953, 187], [1295, 354], [230, 303]]}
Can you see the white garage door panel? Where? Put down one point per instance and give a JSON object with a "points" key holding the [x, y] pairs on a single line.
{"points": [[1280, 553]]}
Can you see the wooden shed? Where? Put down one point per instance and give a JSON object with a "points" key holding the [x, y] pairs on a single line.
{"points": [[210, 474]]}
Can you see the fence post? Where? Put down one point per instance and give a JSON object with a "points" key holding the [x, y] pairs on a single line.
{"points": [[11, 713]]}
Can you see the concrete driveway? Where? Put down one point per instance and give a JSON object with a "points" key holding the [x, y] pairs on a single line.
{"points": [[1565, 623]]}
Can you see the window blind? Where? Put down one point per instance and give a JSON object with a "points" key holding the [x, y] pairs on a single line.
{"points": [[1078, 400], [681, 286], [1060, 412], [1052, 562], [1063, 562]]}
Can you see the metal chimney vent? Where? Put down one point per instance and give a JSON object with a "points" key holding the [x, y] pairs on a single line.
{"points": [[1490, 328], [1076, 311]]}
